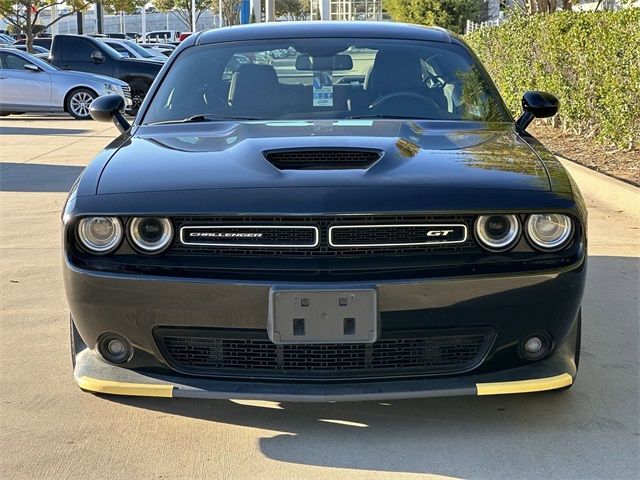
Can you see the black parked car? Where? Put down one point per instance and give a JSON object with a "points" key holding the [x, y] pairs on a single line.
{"points": [[360, 220], [44, 42], [87, 54]]}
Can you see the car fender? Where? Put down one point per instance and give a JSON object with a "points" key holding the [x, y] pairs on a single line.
{"points": [[62, 86]]}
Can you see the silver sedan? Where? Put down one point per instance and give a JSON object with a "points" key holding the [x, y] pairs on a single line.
{"points": [[29, 84]]}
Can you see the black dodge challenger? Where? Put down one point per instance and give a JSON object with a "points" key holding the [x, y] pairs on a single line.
{"points": [[324, 211]]}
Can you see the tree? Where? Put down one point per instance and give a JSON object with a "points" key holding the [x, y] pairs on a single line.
{"points": [[230, 11], [293, 9], [182, 9], [25, 15], [451, 14]]}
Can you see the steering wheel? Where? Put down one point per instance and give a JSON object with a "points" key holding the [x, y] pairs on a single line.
{"points": [[409, 95]]}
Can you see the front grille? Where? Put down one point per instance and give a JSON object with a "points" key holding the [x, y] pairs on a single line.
{"points": [[236, 353], [322, 159], [349, 236], [267, 236], [390, 241]]}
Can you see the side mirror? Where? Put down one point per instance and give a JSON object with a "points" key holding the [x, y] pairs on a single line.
{"points": [[97, 56], [31, 67], [537, 105], [109, 108]]}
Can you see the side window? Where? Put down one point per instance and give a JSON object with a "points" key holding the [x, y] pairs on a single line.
{"points": [[78, 50], [9, 61]]}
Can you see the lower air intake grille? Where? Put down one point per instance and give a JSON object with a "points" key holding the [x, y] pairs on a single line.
{"points": [[322, 159], [224, 353]]}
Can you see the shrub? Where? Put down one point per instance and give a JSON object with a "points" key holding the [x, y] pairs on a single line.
{"points": [[589, 60]]}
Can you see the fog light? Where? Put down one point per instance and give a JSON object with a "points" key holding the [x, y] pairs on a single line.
{"points": [[535, 346], [114, 348]]}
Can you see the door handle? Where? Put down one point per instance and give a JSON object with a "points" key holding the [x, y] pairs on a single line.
{"points": [[3, 78]]}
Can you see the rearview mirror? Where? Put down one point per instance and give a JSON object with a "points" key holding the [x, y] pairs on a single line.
{"points": [[335, 62], [97, 56], [109, 108], [537, 105], [31, 67]]}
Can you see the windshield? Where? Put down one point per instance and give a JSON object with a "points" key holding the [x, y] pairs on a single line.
{"points": [[112, 52], [143, 52], [46, 66], [325, 78]]}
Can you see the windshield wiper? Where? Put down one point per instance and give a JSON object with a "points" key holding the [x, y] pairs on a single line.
{"points": [[201, 117], [382, 115]]}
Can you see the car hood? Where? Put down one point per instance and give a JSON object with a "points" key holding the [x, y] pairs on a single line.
{"points": [[90, 77], [415, 154]]}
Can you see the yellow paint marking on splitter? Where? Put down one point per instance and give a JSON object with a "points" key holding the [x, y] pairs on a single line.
{"points": [[525, 386], [123, 388]]}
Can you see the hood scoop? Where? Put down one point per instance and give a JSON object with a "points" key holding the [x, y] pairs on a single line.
{"points": [[322, 158]]}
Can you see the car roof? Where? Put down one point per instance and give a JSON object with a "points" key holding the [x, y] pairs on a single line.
{"points": [[274, 30]]}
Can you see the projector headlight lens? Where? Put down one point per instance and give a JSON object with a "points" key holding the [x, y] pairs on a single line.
{"points": [[100, 234], [497, 232], [151, 234], [549, 231]]}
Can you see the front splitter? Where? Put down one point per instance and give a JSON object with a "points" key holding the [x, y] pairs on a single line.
{"points": [[93, 374]]}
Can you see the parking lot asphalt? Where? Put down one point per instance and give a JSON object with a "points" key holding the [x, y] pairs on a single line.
{"points": [[50, 429]]}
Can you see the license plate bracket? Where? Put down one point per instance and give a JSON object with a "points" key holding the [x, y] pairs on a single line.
{"points": [[347, 315]]}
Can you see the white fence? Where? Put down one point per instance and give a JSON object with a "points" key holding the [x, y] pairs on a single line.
{"points": [[472, 26]]}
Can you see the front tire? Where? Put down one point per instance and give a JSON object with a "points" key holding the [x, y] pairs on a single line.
{"points": [[78, 102], [139, 89]]}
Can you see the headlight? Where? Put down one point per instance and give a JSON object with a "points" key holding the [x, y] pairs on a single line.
{"points": [[100, 234], [497, 232], [549, 231], [110, 88], [150, 234]]}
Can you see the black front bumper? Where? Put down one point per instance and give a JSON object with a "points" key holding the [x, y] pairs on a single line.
{"points": [[510, 305]]}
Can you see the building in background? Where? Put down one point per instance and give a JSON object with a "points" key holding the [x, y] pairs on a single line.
{"points": [[348, 9]]}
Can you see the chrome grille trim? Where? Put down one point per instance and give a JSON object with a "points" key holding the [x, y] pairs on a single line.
{"points": [[403, 244], [316, 235]]}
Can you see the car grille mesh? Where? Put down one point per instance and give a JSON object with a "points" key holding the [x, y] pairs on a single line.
{"points": [[396, 235], [322, 159], [251, 237], [237, 354], [323, 223]]}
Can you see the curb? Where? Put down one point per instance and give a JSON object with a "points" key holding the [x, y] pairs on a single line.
{"points": [[615, 194]]}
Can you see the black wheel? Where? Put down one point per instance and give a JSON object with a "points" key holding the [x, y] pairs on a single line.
{"points": [[139, 89], [78, 102]]}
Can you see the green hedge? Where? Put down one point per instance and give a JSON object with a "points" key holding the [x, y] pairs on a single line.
{"points": [[589, 60]]}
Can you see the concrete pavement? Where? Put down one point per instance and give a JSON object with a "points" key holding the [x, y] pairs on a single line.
{"points": [[50, 429]]}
